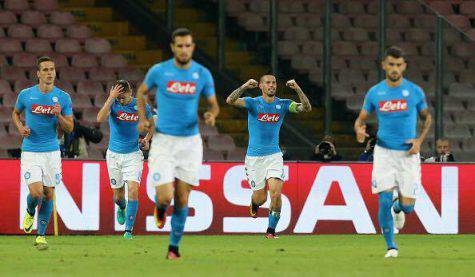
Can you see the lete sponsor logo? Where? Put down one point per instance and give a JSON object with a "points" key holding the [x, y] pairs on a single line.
{"points": [[393, 106], [269, 117], [181, 87], [42, 109], [124, 116]]}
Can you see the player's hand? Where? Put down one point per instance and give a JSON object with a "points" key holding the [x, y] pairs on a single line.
{"points": [[250, 84], [24, 131], [416, 146], [143, 126], [292, 84], [56, 109], [210, 118], [144, 144], [115, 91], [361, 134]]}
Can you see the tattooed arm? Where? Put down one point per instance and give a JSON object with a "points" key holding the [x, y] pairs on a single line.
{"points": [[233, 98]]}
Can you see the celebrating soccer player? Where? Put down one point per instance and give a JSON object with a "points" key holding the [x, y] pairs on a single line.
{"points": [[177, 150], [264, 163], [124, 158], [46, 107], [397, 103]]}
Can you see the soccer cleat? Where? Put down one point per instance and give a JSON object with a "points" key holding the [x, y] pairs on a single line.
{"points": [[253, 210], [28, 222], [128, 235], [121, 216], [392, 253], [398, 218], [271, 236], [159, 221], [173, 253], [41, 243]]}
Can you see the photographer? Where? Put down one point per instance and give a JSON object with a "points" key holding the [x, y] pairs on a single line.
{"points": [[367, 155], [443, 154], [325, 151], [74, 146]]}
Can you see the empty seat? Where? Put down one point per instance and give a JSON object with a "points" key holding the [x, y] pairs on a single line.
{"points": [[9, 100], [51, 32], [84, 60], [363, 63], [235, 8], [9, 45], [313, 48], [457, 131], [221, 143], [285, 21], [409, 7], [366, 21], [237, 154], [80, 101], [355, 34], [341, 91], [315, 7], [252, 22], [80, 32], [454, 64], [463, 50], [308, 21], [23, 84], [65, 86], [425, 21], [20, 31], [17, 6], [398, 21], [461, 21], [33, 18], [72, 74], [67, 46], [344, 48], [467, 7], [464, 117], [462, 90], [297, 34], [5, 87], [353, 77], [259, 6], [62, 18], [46, 5], [212, 155], [11, 141], [452, 37], [442, 7], [12, 73], [340, 21], [36, 45], [352, 7], [304, 62], [113, 61], [373, 8], [417, 35], [90, 88], [131, 74], [7, 18], [102, 74], [293, 7], [59, 59], [89, 115], [24, 60], [369, 48], [100, 99], [97, 46]]}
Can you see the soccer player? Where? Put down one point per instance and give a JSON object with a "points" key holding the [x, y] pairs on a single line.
{"points": [[177, 150], [264, 163], [124, 158], [46, 107], [397, 103]]}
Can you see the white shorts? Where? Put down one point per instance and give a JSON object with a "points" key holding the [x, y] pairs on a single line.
{"points": [[124, 167], [395, 168], [42, 167], [261, 168], [173, 157]]}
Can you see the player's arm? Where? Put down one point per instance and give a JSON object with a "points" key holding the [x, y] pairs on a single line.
{"points": [[142, 95], [304, 105], [145, 142], [233, 98], [104, 112], [360, 126], [22, 129], [425, 116], [212, 112]]}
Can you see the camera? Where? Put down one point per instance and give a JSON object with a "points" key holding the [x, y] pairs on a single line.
{"points": [[326, 150]]}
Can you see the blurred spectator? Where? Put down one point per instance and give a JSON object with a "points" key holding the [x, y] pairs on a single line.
{"points": [[74, 143], [367, 155], [285, 152], [442, 152], [325, 151]]}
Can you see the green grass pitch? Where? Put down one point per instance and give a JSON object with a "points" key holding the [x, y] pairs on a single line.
{"points": [[239, 255]]}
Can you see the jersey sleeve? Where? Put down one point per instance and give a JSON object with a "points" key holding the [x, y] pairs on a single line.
{"points": [[287, 103], [152, 76], [148, 112], [67, 108], [368, 104], [208, 88], [249, 103], [20, 104], [421, 101]]}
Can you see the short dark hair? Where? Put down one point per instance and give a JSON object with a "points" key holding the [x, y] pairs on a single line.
{"points": [[267, 74], [125, 86], [180, 32], [395, 52], [43, 59]]}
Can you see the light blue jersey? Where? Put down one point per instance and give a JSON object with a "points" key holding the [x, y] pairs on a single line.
{"points": [[40, 119], [397, 109], [178, 95], [123, 122], [264, 122]]}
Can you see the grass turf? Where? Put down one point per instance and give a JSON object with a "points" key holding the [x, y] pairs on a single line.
{"points": [[361, 255]]}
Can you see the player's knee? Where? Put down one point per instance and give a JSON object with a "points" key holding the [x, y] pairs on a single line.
{"points": [[181, 200], [37, 193], [133, 192], [48, 193], [275, 196]]}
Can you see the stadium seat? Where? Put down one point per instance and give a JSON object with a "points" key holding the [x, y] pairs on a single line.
{"points": [[100, 99], [408, 7], [297, 34], [90, 88], [344, 48], [425, 21], [5, 87], [341, 91], [235, 8], [59, 59], [312, 48], [417, 35], [457, 131], [20, 31], [221, 143], [2, 33], [471, 105], [351, 76], [7, 18], [97, 46], [46, 5], [355, 34], [11, 141], [461, 21], [208, 131], [113, 61], [369, 22], [259, 6], [79, 31], [304, 63], [351, 8], [9, 100], [67, 46], [62, 18], [17, 6], [315, 7], [12, 73], [252, 22], [369, 48], [131, 74], [398, 21], [51, 32], [467, 7], [3, 61], [102, 74], [363, 63], [285, 21], [65, 86], [468, 144], [237, 154], [295, 7], [308, 20], [24, 60], [33, 18], [72, 74], [84, 60], [354, 103], [23, 84], [317, 34], [89, 116], [442, 7], [212, 155], [452, 37], [463, 117], [37, 45], [80, 101], [340, 21]]}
